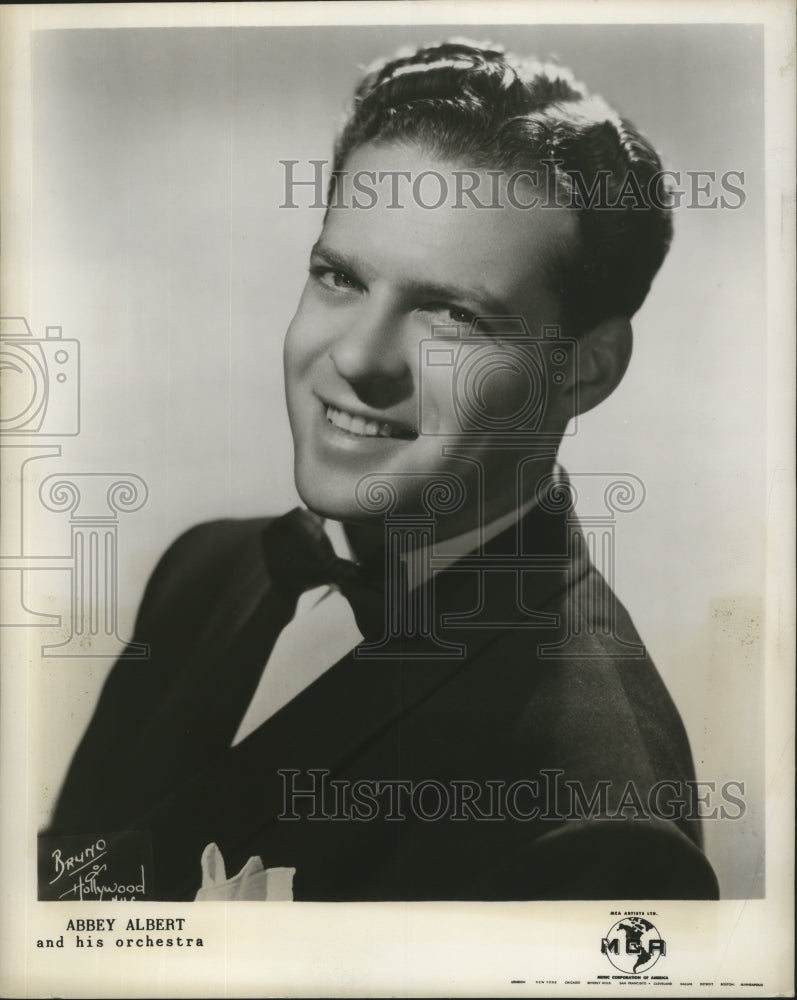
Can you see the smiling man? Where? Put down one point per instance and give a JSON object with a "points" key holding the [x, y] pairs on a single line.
{"points": [[443, 699]]}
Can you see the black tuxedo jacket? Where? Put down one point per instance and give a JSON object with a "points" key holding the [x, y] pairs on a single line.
{"points": [[494, 736]]}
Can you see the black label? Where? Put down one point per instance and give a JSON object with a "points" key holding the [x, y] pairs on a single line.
{"points": [[96, 867]]}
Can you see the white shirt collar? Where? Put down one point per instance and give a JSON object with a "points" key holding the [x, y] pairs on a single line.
{"points": [[340, 543]]}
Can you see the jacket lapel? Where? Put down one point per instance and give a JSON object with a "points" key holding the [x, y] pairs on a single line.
{"points": [[205, 686]]}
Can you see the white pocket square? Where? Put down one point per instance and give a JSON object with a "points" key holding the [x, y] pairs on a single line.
{"points": [[252, 883]]}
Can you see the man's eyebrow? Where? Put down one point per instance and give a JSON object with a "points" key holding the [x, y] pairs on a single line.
{"points": [[485, 302], [333, 258], [477, 297]]}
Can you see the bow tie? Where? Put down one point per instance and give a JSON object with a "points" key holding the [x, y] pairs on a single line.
{"points": [[300, 557]]}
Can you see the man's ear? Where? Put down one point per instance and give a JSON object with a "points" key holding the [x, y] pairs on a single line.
{"points": [[603, 355]]}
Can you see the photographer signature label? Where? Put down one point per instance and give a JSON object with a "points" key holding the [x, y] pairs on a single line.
{"points": [[96, 868]]}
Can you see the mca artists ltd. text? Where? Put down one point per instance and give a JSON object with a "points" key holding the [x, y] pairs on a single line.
{"points": [[313, 795]]}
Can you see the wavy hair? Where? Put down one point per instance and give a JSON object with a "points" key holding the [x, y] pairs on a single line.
{"points": [[477, 105]]}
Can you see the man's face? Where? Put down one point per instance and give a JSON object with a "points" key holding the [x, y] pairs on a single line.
{"points": [[380, 280]]}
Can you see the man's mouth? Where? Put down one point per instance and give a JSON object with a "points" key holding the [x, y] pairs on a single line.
{"points": [[360, 427]]}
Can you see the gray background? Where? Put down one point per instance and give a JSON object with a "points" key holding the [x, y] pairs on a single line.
{"points": [[158, 242]]}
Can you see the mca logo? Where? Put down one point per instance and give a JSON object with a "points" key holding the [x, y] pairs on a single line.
{"points": [[633, 945]]}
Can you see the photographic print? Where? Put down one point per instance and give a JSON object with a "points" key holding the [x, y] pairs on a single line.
{"points": [[396, 499]]}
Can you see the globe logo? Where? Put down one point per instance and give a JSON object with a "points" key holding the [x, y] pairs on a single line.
{"points": [[633, 945]]}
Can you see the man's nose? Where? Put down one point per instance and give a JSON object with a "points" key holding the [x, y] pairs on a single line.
{"points": [[372, 356]]}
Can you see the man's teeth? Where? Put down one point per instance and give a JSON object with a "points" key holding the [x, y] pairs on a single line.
{"points": [[362, 427]]}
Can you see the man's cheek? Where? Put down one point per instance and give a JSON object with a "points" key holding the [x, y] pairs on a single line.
{"points": [[306, 341], [298, 357], [507, 394], [505, 399]]}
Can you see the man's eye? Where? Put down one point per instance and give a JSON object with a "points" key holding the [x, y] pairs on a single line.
{"points": [[331, 278], [461, 315], [454, 314]]}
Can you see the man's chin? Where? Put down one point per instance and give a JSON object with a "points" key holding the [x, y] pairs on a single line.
{"points": [[331, 505]]}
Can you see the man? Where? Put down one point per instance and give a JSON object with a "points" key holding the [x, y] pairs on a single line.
{"points": [[453, 705]]}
